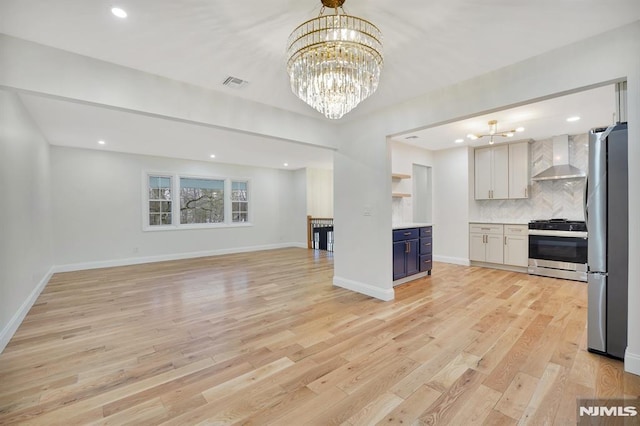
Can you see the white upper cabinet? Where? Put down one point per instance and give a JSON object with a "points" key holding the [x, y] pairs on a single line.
{"points": [[502, 171], [492, 172], [519, 170]]}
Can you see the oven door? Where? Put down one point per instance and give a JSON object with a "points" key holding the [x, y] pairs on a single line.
{"points": [[558, 246]]}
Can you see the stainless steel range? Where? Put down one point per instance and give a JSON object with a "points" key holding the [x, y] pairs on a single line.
{"points": [[558, 248]]}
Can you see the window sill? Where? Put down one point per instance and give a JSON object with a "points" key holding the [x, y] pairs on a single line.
{"points": [[197, 226]]}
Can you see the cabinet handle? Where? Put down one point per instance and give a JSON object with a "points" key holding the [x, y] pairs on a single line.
{"points": [[505, 240], [484, 239], [406, 247], [407, 233], [427, 244], [526, 190]]}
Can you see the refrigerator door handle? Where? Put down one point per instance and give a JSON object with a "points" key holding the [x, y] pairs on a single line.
{"points": [[586, 202]]}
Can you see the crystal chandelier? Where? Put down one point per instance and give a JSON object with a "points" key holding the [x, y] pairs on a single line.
{"points": [[334, 61], [493, 131]]}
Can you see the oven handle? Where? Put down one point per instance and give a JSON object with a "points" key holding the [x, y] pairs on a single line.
{"points": [[568, 234]]}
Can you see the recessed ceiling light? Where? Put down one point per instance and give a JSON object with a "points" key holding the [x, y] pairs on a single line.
{"points": [[459, 140], [472, 136], [510, 134], [574, 118], [286, 164], [101, 142], [212, 156], [120, 13], [520, 129]]}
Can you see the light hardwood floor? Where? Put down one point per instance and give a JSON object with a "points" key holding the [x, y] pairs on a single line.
{"points": [[264, 338]]}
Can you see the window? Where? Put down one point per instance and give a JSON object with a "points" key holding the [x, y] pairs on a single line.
{"points": [[201, 200], [172, 201], [239, 202], [160, 205], [186, 202]]}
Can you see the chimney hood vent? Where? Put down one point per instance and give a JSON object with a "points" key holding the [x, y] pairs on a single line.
{"points": [[561, 168]]}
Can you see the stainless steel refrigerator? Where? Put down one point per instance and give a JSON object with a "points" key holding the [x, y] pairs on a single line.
{"points": [[607, 217]]}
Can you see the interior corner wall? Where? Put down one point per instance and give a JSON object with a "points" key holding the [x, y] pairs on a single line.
{"points": [[296, 202], [451, 206], [25, 217], [319, 192], [97, 199], [362, 211], [632, 356]]}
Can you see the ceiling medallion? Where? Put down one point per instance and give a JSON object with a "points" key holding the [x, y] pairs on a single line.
{"points": [[334, 61], [493, 132]]}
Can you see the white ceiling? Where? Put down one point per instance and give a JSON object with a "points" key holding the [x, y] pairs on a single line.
{"points": [[428, 45], [82, 126]]}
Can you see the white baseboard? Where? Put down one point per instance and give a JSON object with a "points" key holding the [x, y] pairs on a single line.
{"points": [[367, 289], [166, 257], [631, 362], [7, 332], [454, 260]]}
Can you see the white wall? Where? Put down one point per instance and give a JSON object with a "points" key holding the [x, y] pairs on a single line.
{"points": [[319, 192], [403, 157], [97, 210], [451, 206], [69, 75], [362, 211], [25, 216], [605, 58]]}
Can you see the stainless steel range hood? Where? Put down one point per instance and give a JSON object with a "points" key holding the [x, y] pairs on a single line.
{"points": [[561, 168]]}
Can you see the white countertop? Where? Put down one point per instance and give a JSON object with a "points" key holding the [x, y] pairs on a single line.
{"points": [[502, 222], [410, 225]]}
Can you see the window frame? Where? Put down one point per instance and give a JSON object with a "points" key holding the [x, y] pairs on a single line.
{"points": [[248, 202], [176, 201], [146, 201]]}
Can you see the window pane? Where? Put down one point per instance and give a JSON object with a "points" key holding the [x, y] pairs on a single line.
{"points": [[159, 189], [159, 182], [239, 197], [202, 183], [239, 191], [239, 217], [201, 200]]}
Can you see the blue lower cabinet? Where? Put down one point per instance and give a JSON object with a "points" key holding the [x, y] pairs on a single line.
{"points": [[413, 266], [426, 263], [411, 247], [399, 260]]}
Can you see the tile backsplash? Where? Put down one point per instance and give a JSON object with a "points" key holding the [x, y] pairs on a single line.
{"points": [[548, 199]]}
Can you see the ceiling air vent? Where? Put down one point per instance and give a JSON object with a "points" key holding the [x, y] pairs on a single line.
{"points": [[235, 82]]}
